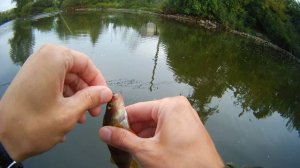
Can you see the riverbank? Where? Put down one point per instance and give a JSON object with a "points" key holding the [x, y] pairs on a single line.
{"points": [[204, 23], [201, 22], [274, 21]]}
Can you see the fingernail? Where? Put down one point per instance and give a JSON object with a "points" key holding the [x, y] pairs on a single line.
{"points": [[105, 95], [105, 134]]}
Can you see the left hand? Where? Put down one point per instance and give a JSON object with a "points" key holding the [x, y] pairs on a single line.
{"points": [[47, 98]]}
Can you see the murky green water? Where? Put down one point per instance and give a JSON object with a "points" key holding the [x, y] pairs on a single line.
{"points": [[248, 97]]}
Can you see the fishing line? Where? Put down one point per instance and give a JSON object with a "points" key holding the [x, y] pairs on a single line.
{"points": [[4, 84], [65, 22]]}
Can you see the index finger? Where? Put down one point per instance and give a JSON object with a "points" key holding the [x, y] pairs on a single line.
{"points": [[144, 111], [80, 64]]}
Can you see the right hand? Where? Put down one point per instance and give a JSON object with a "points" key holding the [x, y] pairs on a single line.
{"points": [[169, 133]]}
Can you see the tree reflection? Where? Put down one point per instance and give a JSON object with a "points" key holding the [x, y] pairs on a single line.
{"points": [[22, 41], [75, 25], [23, 38], [44, 24], [212, 63]]}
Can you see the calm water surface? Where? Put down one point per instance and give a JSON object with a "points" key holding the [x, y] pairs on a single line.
{"points": [[247, 96]]}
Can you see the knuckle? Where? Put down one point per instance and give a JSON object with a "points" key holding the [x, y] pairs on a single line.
{"points": [[44, 50], [178, 101], [178, 104], [182, 99], [46, 46]]}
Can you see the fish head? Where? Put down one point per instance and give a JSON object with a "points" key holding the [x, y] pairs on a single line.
{"points": [[116, 114], [116, 104]]}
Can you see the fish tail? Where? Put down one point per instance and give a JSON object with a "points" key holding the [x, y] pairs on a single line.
{"points": [[134, 164]]}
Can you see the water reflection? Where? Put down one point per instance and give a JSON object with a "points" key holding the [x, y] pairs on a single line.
{"points": [[86, 24], [149, 30], [22, 41], [211, 63], [44, 24], [260, 84], [155, 65]]}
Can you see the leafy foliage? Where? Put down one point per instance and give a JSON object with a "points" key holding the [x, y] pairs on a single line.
{"points": [[276, 20], [31, 7], [6, 16]]}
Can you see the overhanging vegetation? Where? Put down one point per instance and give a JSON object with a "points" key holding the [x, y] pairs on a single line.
{"points": [[275, 20]]}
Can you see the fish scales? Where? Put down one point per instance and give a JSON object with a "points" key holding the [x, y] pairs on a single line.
{"points": [[116, 115]]}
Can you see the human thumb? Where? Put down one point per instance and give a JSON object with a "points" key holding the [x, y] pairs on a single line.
{"points": [[120, 138], [89, 98]]}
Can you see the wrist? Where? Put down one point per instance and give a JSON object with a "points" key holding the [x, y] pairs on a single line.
{"points": [[6, 161], [12, 151], [7, 140]]}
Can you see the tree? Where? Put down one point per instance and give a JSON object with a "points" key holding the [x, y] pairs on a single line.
{"points": [[20, 4]]}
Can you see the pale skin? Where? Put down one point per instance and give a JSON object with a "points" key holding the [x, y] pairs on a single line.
{"points": [[169, 133], [47, 98], [57, 85]]}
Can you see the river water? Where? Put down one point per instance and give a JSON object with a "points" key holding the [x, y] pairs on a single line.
{"points": [[247, 95]]}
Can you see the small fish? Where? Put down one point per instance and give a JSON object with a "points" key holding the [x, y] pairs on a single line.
{"points": [[116, 115]]}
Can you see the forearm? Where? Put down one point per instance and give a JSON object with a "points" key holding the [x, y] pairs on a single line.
{"points": [[6, 161], [6, 147]]}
